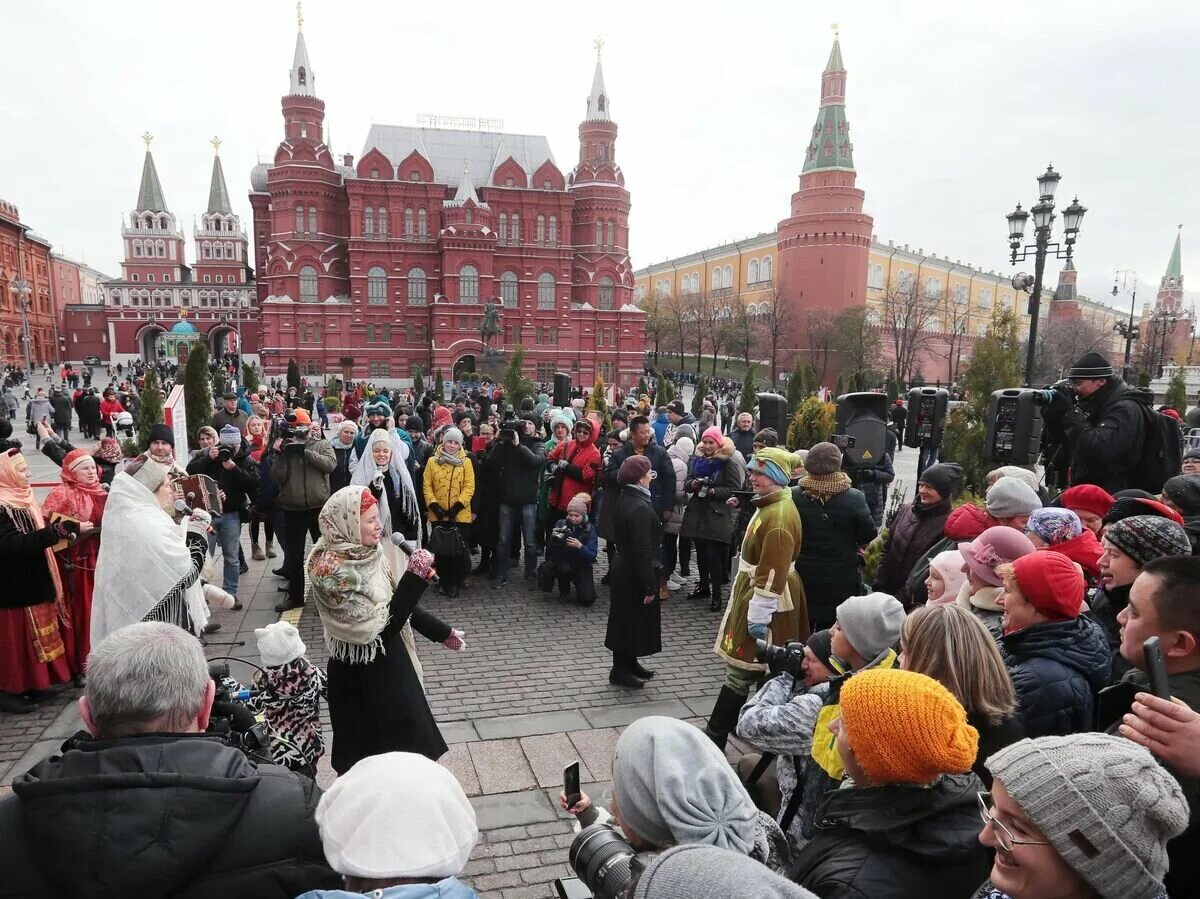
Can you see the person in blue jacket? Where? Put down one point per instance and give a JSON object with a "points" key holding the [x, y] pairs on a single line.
{"points": [[571, 553], [660, 425]]}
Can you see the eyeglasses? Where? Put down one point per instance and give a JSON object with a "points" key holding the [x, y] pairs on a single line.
{"points": [[1003, 835]]}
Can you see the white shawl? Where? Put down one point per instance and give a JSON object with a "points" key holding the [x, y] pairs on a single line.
{"points": [[365, 471], [143, 556]]}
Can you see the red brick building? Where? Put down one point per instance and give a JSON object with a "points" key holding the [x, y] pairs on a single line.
{"points": [[25, 277], [377, 269]]}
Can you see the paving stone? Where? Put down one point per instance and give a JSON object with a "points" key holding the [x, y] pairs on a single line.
{"points": [[541, 891], [595, 749], [517, 862], [528, 725], [458, 732], [496, 881], [458, 760], [499, 833], [701, 706], [500, 766], [548, 755], [512, 809], [612, 716], [34, 754]]}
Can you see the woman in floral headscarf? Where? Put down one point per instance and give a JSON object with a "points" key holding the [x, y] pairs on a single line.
{"points": [[80, 497], [376, 699], [32, 655]]}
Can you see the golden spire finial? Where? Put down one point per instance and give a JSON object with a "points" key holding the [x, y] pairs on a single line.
{"points": [[299, 15], [599, 45], [216, 144], [148, 138]]}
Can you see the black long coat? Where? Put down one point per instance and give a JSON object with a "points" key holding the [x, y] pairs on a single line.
{"points": [[380, 706], [828, 564], [485, 502], [635, 628], [27, 578]]}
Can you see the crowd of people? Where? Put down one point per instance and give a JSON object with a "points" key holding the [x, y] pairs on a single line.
{"points": [[973, 717]]}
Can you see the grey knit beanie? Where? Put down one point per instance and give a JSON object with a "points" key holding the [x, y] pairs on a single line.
{"points": [[1009, 497], [871, 623], [823, 458], [1107, 806], [1145, 538], [673, 786], [697, 872]]}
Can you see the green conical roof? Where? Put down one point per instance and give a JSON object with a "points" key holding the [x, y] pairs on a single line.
{"points": [[1175, 266], [218, 195], [150, 193], [835, 58], [830, 147]]}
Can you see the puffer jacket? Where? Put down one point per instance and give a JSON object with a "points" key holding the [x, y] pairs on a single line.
{"points": [[449, 488], [580, 475], [1056, 669], [900, 841], [915, 529], [302, 475], [517, 469], [708, 517], [164, 815], [962, 525], [680, 453]]}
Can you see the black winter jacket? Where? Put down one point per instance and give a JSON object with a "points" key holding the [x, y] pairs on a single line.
{"points": [[828, 562], [1106, 434], [160, 815], [517, 469], [914, 530], [1104, 605], [27, 579], [239, 483], [898, 842], [1056, 669]]}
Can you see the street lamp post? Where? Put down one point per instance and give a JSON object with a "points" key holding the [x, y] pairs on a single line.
{"points": [[1163, 324], [1041, 248], [1128, 330], [22, 290]]}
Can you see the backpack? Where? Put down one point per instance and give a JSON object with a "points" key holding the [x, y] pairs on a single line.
{"points": [[1162, 453]]}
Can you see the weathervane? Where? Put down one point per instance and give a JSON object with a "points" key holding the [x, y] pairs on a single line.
{"points": [[216, 144], [299, 15], [148, 138], [599, 45]]}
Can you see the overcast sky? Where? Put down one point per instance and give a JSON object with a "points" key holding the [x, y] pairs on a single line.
{"points": [[954, 109]]}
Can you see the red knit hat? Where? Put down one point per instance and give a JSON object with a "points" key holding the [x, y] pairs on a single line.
{"points": [[1087, 498], [1052, 584]]}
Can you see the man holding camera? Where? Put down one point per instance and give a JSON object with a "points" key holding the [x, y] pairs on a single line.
{"points": [[230, 414], [515, 460], [147, 804], [1101, 424], [301, 468], [225, 458]]}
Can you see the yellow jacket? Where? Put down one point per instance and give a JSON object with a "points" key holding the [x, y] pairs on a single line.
{"points": [[447, 485]]}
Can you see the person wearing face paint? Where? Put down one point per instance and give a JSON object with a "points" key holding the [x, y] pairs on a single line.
{"points": [[79, 497], [1083, 816]]}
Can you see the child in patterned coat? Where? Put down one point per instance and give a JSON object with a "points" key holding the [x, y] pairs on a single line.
{"points": [[289, 697]]}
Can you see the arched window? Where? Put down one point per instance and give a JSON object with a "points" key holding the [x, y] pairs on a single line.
{"points": [[546, 291], [377, 286], [541, 230], [716, 279], [606, 292], [515, 235], [599, 235], [160, 248], [554, 230], [612, 235], [422, 225], [468, 284], [299, 219], [308, 284], [752, 272], [408, 224], [301, 76], [137, 248], [368, 223], [416, 287], [383, 222], [766, 268], [503, 237], [228, 251], [467, 216], [508, 289], [312, 220], [727, 276]]}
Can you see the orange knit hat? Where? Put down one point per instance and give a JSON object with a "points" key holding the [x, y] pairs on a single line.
{"points": [[905, 727]]}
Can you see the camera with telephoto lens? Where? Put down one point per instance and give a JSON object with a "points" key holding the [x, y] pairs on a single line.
{"points": [[1057, 397], [606, 865], [291, 429], [232, 720], [788, 658]]}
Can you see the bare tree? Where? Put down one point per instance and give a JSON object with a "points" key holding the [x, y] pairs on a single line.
{"points": [[820, 339], [908, 320], [674, 309], [742, 330], [955, 318], [657, 320], [1063, 340], [776, 322], [856, 341], [715, 320]]}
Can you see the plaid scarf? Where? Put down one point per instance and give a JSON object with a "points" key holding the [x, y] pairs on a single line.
{"points": [[823, 487]]}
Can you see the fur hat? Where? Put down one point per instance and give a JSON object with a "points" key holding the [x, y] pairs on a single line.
{"points": [[279, 643], [823, 458]]}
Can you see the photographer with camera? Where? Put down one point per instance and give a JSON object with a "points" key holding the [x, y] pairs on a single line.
{"points": [[514, 463], [716, 472], [1102, 425], [147, 803], [570, 554], [302, 462], [225, 458]]}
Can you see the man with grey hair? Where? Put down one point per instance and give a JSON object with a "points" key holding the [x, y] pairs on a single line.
{"points": [[146, 803]]}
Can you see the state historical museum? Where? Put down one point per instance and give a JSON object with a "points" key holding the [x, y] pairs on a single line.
{"points": [[375, 269]]}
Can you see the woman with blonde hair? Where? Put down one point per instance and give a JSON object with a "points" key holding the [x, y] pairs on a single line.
{"points": [[949, 644]]}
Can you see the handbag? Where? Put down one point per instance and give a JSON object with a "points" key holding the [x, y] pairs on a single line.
{"points": [[446, 541]]}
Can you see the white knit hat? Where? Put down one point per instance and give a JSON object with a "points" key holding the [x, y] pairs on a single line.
{"points": [[397, 815], [279, 643]]}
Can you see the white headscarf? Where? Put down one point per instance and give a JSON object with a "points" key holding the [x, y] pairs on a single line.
{"points": [[366, 471], [143, 561]]}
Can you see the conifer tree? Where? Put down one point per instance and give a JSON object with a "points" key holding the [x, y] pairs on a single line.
{"points": [[197, 395], [150, 413]]}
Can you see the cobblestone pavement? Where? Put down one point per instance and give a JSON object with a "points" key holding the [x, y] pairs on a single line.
{"points": [[528, 695]]}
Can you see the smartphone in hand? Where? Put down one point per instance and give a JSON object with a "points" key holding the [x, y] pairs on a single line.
{"points": [[571, 783], [1156, 668]]}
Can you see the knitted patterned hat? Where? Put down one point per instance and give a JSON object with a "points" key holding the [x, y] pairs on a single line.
{"points": [[1091, 365], [1107, 806], [579, 503], [1147, 537], [905, 727], [1054, 525], [1087, 498]]}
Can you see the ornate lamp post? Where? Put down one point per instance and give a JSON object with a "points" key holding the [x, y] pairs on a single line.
{"points": [[1041, 248], [21, 290], [1128, 330], [1163, 324]]}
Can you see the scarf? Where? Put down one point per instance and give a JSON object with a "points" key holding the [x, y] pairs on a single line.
{"points": [[16, 496], [444, 456], [824, 487], [109, 450], [350, 584], [366, 470], [707, 467], [75, 499]]}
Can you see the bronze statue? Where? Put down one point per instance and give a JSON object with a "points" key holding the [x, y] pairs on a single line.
{"points": [[489, 325]]}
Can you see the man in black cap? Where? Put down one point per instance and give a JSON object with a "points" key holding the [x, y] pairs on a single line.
{"points": [[230, 414], [677, 414], [1104, 430]]}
